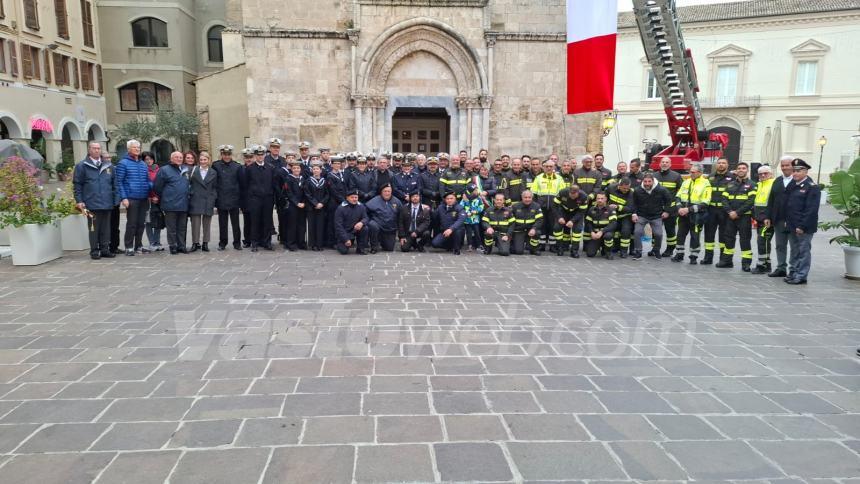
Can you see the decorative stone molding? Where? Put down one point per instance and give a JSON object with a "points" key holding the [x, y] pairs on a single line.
{"points": [[422, 35], [369, 100], [353, 35], [276, 32], [474, 102], [495, 36], [426, 3]]}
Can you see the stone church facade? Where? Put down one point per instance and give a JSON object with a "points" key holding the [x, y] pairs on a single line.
{"points": [[408, 75]]}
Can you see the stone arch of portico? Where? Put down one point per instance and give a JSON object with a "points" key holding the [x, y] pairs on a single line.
{"points": [[415, 35], [470, 119]]}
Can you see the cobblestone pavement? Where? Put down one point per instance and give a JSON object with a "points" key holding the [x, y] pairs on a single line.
{"points": [[239, 367]]}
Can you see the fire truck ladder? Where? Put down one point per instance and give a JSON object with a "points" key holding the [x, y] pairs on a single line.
{"points": [[672, 65]]}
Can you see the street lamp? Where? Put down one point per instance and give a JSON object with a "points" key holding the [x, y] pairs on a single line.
{"points": [[821, 142], [609, 120]]}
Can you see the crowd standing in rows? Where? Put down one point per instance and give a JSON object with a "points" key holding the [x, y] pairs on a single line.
{"points": [[368, 203]]}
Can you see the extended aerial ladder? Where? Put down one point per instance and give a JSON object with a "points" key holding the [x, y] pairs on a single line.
{"points": [[675, 75]]}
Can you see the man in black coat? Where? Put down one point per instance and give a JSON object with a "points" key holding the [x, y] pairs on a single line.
{"points": [[337, 182], [776, 217], [651, 205], [363, 180], [350, 225], [414, 224], [800, 205], [229, 189], [260, 186], [274, 158]]}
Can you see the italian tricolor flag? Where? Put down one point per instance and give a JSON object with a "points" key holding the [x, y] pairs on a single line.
{"points": [[592, 27]]}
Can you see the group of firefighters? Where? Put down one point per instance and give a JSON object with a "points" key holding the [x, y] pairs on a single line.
{"points": [[509, 205]]}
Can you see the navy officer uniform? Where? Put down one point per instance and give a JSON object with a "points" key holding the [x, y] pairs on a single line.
{"points": [[405, 183], [800, 206]]}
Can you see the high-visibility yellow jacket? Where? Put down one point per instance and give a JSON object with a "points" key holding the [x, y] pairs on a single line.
{"points": [[695, 194], [762, 195], [546, 187]]}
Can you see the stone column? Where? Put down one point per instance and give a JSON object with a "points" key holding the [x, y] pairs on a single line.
{"points": [[486, 103], [79, 149], [358, 125]]}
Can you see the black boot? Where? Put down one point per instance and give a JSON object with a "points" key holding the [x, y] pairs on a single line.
{"points": [[574, 253], [205, 247], [559, 250], [194, 248], [709, 258], [759, 269], [725, 262], [678, 257], [745, 265], [237, 246], [694, 260], [668, 251]]}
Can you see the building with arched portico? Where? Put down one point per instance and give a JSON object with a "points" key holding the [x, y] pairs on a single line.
{"points": [[399, 75], [51, 77]]}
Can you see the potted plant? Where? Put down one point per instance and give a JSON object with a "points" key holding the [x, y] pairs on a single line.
{"points": [[33, 229], [73, 223], [844, 194], [64, 168]]}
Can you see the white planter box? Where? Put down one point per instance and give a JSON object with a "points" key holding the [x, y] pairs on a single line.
{"points": [[4, 237], [852, 262], [75, 234], [35, 244]]}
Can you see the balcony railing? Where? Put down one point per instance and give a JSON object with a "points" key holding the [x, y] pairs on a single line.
{"points": [[730, 102]]}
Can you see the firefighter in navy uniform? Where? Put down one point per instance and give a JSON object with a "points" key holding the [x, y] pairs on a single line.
{"points": [[600, 225], [738, 200], [716, 220], [455, 177], [670, 180], [620, 198], [800, 206], [589, 179], [605, 173], [451, 218], [514, 183], [528, 220], [497, 224], [570, 207]]}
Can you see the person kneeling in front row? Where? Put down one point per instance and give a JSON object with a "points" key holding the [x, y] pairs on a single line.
{"points": [[350, 225]]}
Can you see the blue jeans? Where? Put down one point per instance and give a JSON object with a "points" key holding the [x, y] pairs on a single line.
{"points": [[801, 254], [153, 234]]}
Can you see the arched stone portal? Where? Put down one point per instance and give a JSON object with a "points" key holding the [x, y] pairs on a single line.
{"points": [[397, 71]]}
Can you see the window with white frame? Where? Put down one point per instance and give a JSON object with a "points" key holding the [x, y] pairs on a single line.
{"points": [[727, 85], [652, 92], [805, 79]]}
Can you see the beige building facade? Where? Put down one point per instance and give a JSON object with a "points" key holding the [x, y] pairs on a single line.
{"points": [[761, 64], [153, 52], [51, 76], [403, 75]]}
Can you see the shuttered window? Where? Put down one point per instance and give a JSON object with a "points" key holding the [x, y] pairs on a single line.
{"points": [[87, 76], [13, 59], [61, 69], [31, 14], [30, 62], [87, 21], [47, 56], [62, 19]]}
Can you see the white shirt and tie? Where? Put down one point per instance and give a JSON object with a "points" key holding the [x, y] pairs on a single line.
{"points": [[415, 217]]}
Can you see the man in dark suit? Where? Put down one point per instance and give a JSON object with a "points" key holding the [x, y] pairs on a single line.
{"points": [[800, 205], [775, 217], [414, 224]]}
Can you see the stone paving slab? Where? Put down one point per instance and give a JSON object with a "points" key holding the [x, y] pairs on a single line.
{"points": [[280, 367]]}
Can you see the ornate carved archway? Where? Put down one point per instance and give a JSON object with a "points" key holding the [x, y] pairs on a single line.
{"points": [[469, 110]]}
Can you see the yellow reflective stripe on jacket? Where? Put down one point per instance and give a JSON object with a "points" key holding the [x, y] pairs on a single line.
{"points": [[586, 180], [763, 193], [618, 200], [457, 182]]}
